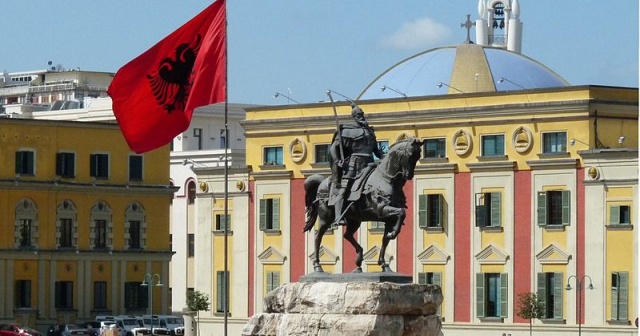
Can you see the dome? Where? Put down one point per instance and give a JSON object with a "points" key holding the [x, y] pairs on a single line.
{"points": [[465, 68]]}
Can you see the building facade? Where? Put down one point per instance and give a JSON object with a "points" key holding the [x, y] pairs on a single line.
{"points": [[84, 223]]}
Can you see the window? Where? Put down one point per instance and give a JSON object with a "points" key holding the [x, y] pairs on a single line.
{"points": [[269, 214], [25, 233], [431, 211], [620, 296], [619, 215], [223, 138], [191, 192], [99, 295], [550, 287], [100, 238], [64, 295], [222, 290], [23, 294], [197, 134], [192, 245], [492, 294], [25, 163], [135, 168], [434, 148], [273, 280], [384, 147], [555, 142], [66, 232], [430, 278], [488, 210], [222, 221], [134, 235], [66, 165], [136, 296], [492, 145], [376, 226], [322, 153], [273, 156], [554, 207], [99, 166]]}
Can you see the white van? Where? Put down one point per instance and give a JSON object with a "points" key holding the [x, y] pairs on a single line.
{"points": [[131, 326], [175, 324], [156, 329]]}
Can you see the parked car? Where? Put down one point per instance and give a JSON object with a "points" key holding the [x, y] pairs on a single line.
{"points": [[131, 326], [74, 330], [93, 327], [55, 330], [17, 330]]}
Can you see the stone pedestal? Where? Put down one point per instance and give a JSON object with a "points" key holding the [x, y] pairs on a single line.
{"points": [[349, 308]]}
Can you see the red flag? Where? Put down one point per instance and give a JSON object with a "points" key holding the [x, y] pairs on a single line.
{"points": [[154, 94]]}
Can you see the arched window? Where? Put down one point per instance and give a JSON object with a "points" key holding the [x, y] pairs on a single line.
{"points": [[135, 227], [191, 192], [101, 227], [66, 225], [26, 224]]}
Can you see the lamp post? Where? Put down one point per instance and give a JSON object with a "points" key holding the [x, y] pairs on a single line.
{"points": [[579, 283], [148, 281]]}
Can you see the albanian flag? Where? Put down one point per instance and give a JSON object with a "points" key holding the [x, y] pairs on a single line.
{"points": [[154, 94]]}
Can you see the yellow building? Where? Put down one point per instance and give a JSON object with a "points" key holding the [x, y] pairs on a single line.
{"points": [[82, 221]]}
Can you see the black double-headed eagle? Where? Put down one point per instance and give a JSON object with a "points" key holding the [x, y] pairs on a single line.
{"points": [[170, 82]]}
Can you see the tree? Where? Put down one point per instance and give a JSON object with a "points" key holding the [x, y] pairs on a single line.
{"points": [[530, 306], [198, 301]]}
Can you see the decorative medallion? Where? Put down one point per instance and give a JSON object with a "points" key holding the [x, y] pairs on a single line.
{"points": [[68, 267], [594, 173], [297, 150], [522, 139], [100, 268], [240, 185], [204, 187], [135, 268], [462, 142]]}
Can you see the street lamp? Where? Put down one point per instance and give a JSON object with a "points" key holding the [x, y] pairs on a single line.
{"points": [[579, 283], [150, 283]]}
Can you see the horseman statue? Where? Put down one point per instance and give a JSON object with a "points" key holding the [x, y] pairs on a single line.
{"points": [[351, 152], [360, 189]]}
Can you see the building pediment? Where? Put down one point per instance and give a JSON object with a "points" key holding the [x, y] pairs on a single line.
{"points": [[371, 256], [432, 255], [492, 255], [271, 256], [326, 256], [553, 255]]}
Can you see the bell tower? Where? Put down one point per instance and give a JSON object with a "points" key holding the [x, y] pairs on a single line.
{"points": [[499, 24]]}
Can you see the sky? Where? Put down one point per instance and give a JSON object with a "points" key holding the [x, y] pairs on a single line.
{"points": [[302, 48]]}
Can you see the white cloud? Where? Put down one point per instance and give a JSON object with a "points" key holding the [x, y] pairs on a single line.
{"points": [[419, 34]]}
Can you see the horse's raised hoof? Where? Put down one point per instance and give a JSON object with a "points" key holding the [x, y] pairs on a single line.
{"points": [[357, 270]]}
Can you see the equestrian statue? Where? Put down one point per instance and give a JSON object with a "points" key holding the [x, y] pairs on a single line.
{"points": [[360, 188]]}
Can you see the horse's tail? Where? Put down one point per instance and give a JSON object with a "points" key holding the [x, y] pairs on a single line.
{"points": [[311, 185]]}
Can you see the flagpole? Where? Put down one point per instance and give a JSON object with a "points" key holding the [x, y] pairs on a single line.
{"points": [[226, 173]]}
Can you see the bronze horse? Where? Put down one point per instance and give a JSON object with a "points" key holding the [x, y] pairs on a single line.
{"points": [[382, 199]]}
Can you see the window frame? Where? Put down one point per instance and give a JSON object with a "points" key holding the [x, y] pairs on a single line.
{"points": [[219, 219], [620, 311], [64, 295], [317, 153], [499, 148], [136, 167], [100, 294], [135, 234], [191, 246], [26, 236], [440, 151], [99, 166], [136, 296], [273, 280], [426, 211], [383, 145], [23, 293], [66, 233], [502, 291], [25, 164], [66, 164], [101, 229], [548, 148], [278, 151], [616, 217], [221, 290]]}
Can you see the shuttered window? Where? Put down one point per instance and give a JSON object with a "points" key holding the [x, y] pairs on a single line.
{"points": [[99, 166], [619, 215], [273, 280], [554, 207], [222, 289], [488, 210], [431, 211], [550, 289], [492, 294], [65, 165], [620, 296], [269, 214], [25, 161]]}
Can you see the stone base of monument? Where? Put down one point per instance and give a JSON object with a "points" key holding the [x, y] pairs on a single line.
{"points": [[349, 308]]}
